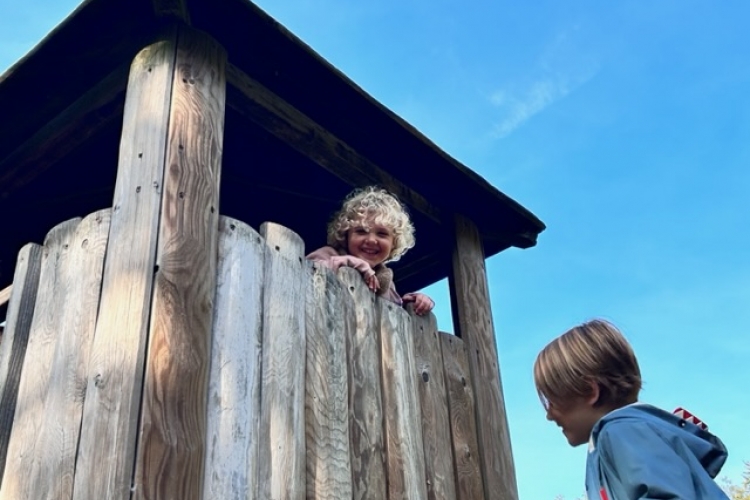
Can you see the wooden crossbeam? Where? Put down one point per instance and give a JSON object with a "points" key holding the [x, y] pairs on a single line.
{"points": [[256, 102], [68, 130]]}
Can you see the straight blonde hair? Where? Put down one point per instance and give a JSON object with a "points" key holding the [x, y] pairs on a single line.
{"points": [[593, 352]]}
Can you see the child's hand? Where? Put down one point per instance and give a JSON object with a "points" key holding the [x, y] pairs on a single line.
{"points": [[360, 265], [372, 282], [422, 303]]}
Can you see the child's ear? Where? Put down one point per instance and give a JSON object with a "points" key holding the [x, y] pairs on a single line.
{"points": [[593, 398]]}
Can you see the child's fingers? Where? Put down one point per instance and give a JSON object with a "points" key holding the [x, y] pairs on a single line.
{"points": [[422, 303], [372, 283]]}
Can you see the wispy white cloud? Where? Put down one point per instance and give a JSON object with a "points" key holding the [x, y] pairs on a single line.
{"points": [[518, 110], [561, 69]]}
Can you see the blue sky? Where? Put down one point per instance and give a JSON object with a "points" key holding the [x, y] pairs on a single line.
{"points": [[625, 126]]}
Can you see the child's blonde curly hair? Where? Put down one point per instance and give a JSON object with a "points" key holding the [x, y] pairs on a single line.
{"points": [[373, 205]]}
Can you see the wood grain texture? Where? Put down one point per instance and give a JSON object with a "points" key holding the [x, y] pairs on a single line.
{"points": [[468, 473], [433, 399], [330, 321], [474, 320], [170, 453], [115, 376], [403, 420], [16, 337], [366, 431], [312, 140], [5, 294], [57, 441], [24, 458], [234, 380], [282, 428]]}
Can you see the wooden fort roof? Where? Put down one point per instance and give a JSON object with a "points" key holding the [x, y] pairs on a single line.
{"points": [[298, 135]]}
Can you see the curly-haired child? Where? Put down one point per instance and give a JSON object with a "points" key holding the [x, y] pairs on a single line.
{"points": [[371, 229], [588, 380]]}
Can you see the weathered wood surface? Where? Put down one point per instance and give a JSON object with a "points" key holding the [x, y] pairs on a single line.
{"points": [[294, 128], [5, 294], [330, 321], [234, 381], [282, 427], [23, 460], [402, 417], [44, 441], [366, 431], [110, 416], [468, 473], [16, 337], [473, 312], [436, 432], [169, 458], [63, 409]]}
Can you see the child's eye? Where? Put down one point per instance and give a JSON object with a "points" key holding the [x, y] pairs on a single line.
{"points": [[360, 230], [384, 234]]}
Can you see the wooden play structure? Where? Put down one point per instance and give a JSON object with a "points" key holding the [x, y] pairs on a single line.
{"points": [[164, 165]]}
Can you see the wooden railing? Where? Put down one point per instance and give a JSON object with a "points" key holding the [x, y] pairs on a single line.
{"points": [[313, 388]]}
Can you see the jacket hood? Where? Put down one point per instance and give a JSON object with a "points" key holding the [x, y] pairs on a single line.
{"points": [[707, 448]]}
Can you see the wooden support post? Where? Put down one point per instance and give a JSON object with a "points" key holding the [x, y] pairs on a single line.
{"points": [[473, 322], [170, 454], [110, 414]]}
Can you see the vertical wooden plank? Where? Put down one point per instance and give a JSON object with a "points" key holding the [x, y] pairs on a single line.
{"points": [[169, 457], [366, 432], [436, 435], [57, 439], [403, 420], [281, 471], [234, 379], [16, 337], [330, 320], [110, 415], [473, 316], [464, 443], [23, 456]]}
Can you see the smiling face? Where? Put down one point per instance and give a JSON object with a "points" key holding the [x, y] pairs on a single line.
{"points": [[370, 242]]}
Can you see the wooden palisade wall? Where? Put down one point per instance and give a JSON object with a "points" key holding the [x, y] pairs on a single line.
{"points": [[362, 398]]}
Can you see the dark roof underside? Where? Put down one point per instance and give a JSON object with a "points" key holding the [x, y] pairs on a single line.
{"points": [[262, 177]]}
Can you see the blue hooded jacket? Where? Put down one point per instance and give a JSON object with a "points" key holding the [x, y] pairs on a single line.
{"points": [[642, 452]]}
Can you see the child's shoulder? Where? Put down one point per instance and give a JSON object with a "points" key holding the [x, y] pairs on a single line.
{"points": [[325, 252]]}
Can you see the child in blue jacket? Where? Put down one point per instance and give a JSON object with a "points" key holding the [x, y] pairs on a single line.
{"points": [[588, 380]]}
